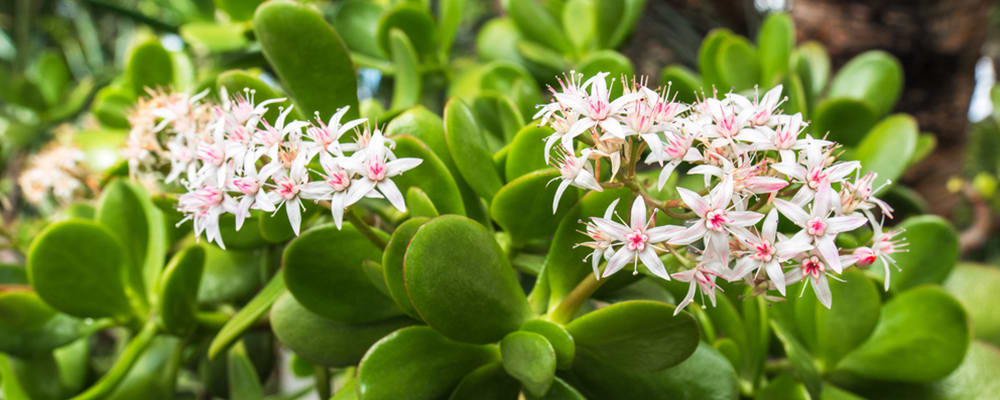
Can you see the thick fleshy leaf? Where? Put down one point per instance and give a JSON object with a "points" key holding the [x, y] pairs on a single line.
{"points": [[875, 77], [848, 322], [357, 22], [111, 106], [419, 205], [497, 40], [784, 387], [775, 40], [415, 22], [229, 275], [128, 213], [238, 10], [922, 335], [498, 118], [633, 10], [560, 390], [461, 283], [449, 18], [431, 176], [149, 66], [977, 378], [406, 81], [610, 61], [242, 377], [512, 81], [926, 143], [812, 64], [560, 339], [324, 81], [523, 207], [324, 341], [705, 375], [489, 382], [579, 20], [638, 335], [178, 291], [529, 358], [12, 274], [101, 148], [798, 101], [609, 16], [737, 63], [888, 148], [246, 316], [684, 82], [76, 267], [538, 25], [976, 287], [392, 262], [211, 37], [235, 81], [468, 148], [30, 378], [418, 363], [323, 271], [154, 375], [707, 54], [29, 326], [932, 250], [847, 121]]}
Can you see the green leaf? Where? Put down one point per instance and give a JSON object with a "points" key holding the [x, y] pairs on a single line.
{"points": [[419, 205], [976, 286], [931, 252], [468, 149], [111, 106], [579, 17], [775, 40], [538, 25], [922, 335], [238, 10], [461, 283], [30, 378], [229, 275], [29, 326], [875, 77], [179, 291], [608, 19], [560, 339], [449, 18], [77, 267], [11, 274], [705, 375], [242, 377], [322, 82], [406, 81], [323, 271], [213, 37], [323, 341], [415, 22], [684, 82], [633, 10], [101, 148], [784, 387], [51, 74], [431, 176], [235, 81], [497, 40], [73, 361], [613, 62], [926, 143], [850, 319], [489, 382], [803, 365], [498, 117], [128, 213], [246, 316], [522, 207], [542, 61], [418, 363], [529, 358], [847, 121], [153, 376], [392, 262], [798, 101], [149, 66], [737, 64], [812, 65], [357, 22], [977, 378], [637, 335], [888, 148], [511, 81]]}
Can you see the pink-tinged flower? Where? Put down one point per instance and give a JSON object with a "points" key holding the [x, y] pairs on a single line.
{"points": [[597, 109], [715, 222], [214, 167], [859, 196], [203, 206], [766, 252], [884, 244], [748, 177], [784, 138], [701, 277], [288, 190], [337, 187], [816, 169], [375, 174], [762, 110], [560, 125], [326, 136], [637, 241], [182, 160], [602, 240], [241, 110], [575, 171], [676, 150], [818, 226], [271, 137], [571, 85], [726, 120], [813, 270], [253, 196], [640, 121]]}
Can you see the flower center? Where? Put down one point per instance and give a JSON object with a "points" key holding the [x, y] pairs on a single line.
{"points": [[636, 240], [248, 186], [339, 180], [816, 176], [376, 169], [812, 266], [287, 189], [816, 227], [865, 256], [764, 252], [716, 220]]}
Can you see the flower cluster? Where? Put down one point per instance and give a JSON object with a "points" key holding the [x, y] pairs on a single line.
{"points": [[232, 159], [758, 164], [57, 170]]}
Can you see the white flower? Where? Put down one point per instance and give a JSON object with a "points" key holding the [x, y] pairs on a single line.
{"points": [[288, 187], [326, 136], [813, 269], [818, 226], [637, 240], [884, 244], [768, 253], [703, 277], [376, 171], [337, 187], [575, 171], [815, 170], [203, 206], [715, 222], [674, 151], [762, 110], [859, 196], [251, 186], [597, 109], [602, 240]]}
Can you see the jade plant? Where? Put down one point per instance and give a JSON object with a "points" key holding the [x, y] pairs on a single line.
{"points": [[485, 236]]}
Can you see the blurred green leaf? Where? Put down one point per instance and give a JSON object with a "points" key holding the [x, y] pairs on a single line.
{"points": [[812, 64], [775, 40], [29, 326], [415, 22], [875, 77], [149, 66], [247, 315], [178, 291], [683, 82], [242, 377], [538, 25], [357, 22], [888, 148], [976, 286], [406, 81], [931, 252], [129, 214], [489, 382]]}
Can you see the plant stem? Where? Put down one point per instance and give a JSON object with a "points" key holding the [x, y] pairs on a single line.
{"points": [[572, 302], [365, 229], [322, 375], [110, 380]]}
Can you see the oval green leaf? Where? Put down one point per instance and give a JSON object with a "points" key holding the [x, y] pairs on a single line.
{"points": [[932, 250], [523, 207], [976, 286], [529, 358], [415, 22], [775, 40], [888, 148], [468, 148], [431, 176], [129, 214], [179, 291], [875, 77], [560, 339], [392, 262], [489, 382]]}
